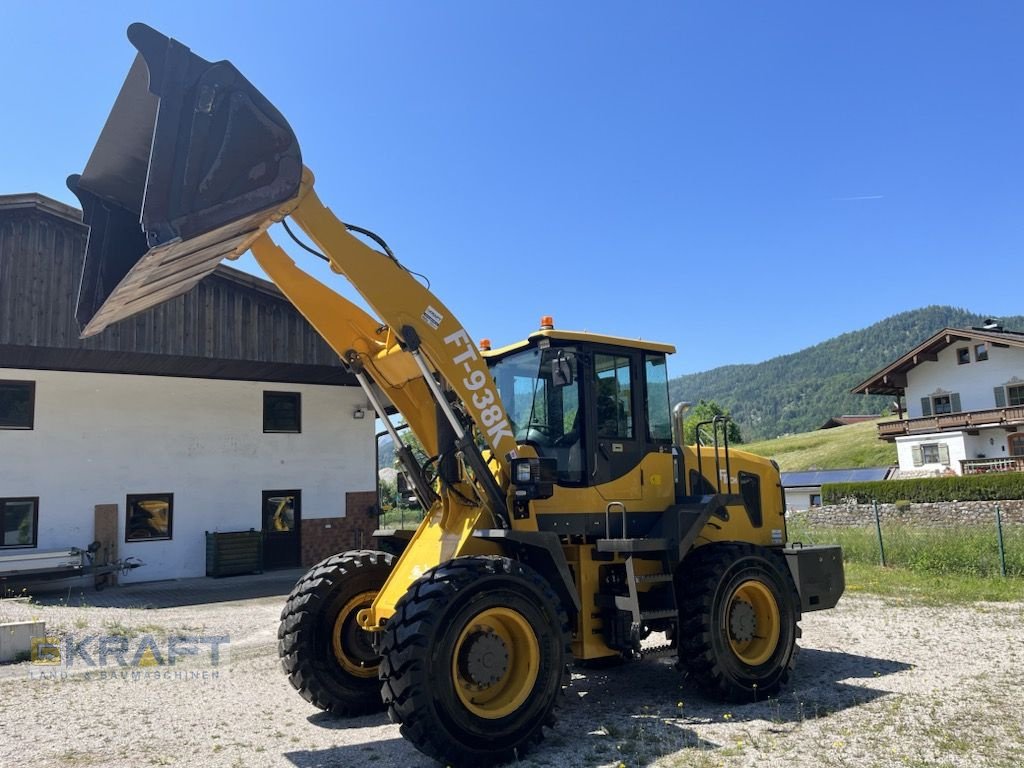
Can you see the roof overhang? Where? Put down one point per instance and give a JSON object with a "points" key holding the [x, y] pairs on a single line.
{"points": [[892, 380]]}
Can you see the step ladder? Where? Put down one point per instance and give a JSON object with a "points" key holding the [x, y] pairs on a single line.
{"points": [[630, 602]]}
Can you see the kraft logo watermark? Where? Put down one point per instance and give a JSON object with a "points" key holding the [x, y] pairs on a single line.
{"points": [[175, 658]]}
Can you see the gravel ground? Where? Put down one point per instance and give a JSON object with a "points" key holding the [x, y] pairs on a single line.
{"points": [[878, 683]]}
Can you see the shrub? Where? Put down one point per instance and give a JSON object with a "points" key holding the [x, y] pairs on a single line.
{"points": [[987, 487]]}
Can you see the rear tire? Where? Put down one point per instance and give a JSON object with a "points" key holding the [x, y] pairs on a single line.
{"points": [[740, 614], [474, 659], [329, 659]]}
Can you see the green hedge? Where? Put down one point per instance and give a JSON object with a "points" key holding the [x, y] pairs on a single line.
{"points": [[986, 487]]}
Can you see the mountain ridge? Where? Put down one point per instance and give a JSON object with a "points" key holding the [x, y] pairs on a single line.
{"points": [[800, 391]]}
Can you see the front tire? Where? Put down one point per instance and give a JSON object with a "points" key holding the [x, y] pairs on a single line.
{"points": [[740, 614], [473, 660], [328, 657]]}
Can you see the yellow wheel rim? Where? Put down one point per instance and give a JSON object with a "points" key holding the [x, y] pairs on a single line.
{"points": [[346, 625], [495, 663], [753, 623]]}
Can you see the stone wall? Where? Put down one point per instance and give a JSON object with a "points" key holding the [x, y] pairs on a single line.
{"points": [[934, 514], [326, 536]]}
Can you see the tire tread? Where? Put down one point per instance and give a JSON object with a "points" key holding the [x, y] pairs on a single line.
{"points": [[300, 617]]}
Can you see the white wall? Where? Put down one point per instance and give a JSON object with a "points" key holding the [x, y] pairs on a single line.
{"points": [[974, 381], [953, 440], [989, 444], [799, 499], [100, 437]]}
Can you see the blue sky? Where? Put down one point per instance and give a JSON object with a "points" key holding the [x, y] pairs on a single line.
{"points": [[740, 179]]}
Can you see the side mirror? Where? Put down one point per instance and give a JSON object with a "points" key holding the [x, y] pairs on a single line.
{"points": [[562, 370]]}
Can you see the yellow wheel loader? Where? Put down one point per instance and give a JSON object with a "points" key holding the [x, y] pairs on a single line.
{"points": [[564, 520]]}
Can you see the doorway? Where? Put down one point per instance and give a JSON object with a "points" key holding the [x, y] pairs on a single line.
{"points": [[282, 525]]}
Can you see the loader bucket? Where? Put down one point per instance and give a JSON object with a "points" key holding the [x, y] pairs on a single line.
{"points": [[191, 162]]}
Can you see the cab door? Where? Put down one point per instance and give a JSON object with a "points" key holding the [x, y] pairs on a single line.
{"points": [[618, 447]]}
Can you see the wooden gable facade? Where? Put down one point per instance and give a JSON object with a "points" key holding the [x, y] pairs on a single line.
{"points": [[231, 326]]}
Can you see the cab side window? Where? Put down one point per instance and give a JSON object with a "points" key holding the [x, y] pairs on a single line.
{"points": [[613, 391], [659, 420]]}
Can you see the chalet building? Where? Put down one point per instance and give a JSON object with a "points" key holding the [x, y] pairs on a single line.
{"points": [[964, 392], [221, 410]]}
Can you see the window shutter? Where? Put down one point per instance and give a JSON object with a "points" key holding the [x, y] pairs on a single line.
{"points": [[926, 406], [1000, 397], [915, 451], [954, 401], [944, 454]]}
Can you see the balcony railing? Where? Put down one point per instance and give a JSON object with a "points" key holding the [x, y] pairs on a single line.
{"points": [[977, 466], [994, 417]]}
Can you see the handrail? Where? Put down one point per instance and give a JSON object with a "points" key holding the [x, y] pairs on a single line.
{"points": [[999, 464], [944, 421]]}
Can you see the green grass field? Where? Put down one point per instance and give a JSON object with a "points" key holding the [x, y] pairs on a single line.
{"points": [[929, 588], [930, 565], [969, 550], [856, 445]]}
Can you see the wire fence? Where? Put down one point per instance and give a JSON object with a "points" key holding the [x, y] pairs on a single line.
{"points": [[972, 539], [400, 517], [979, 543]]}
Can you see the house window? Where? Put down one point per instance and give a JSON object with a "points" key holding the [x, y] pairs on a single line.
{"points": [[930, 453], [19, 520], [17, 404], [815, 500], [980, 352], [940, 403], [1017, 444], [282, 412], [1015, 395], [963, 356], [150, 517]]}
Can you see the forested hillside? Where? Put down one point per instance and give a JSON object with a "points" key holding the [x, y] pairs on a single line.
{"points": [[799, 392]]}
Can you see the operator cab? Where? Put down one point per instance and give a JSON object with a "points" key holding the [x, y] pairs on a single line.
{"points": [[594, 404]]}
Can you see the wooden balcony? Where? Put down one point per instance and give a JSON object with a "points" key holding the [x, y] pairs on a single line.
{"points": [[978, 466], [1010, 418]]}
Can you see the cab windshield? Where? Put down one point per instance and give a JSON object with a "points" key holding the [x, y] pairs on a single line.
{"points": [[540, 389]]}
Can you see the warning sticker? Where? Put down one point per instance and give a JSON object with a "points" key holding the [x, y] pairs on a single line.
{"points": [[432, 317]]}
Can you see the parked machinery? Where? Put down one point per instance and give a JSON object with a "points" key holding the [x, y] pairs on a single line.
{"points": [[563, 519]]}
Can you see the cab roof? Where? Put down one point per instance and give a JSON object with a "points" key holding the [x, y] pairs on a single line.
{"points": [[581, 336]]}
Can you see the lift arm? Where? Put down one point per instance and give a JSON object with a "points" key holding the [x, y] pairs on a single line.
{"points": [[370, 349], [428, 331]]}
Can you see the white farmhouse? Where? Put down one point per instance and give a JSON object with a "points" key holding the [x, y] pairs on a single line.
{"points": [[221, 410], [964, 392]]}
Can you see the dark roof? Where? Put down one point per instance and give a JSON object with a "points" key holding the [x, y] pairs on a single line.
{"points": [[842, 421], [33, 201], [818, 477], [232, 325], [892, 379]]}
